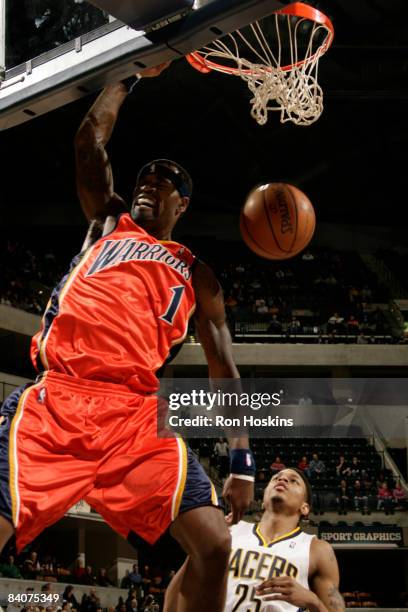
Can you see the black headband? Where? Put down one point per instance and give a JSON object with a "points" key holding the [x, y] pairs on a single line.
{"points": [[170, 170]]}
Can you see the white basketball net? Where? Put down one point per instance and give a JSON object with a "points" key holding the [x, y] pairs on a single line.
{"points": [[282, 79]]}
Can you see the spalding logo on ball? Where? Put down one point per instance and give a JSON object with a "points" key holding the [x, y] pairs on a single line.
{"points": [[277, 221]]}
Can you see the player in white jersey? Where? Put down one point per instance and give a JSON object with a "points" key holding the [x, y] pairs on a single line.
{"points": [[275, 566]]}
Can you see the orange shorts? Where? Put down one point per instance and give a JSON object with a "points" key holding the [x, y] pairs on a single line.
{"points": [[63, 439]]}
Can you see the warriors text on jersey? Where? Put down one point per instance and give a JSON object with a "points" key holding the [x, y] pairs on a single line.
{"points": [[254, 560], [119, 311]]}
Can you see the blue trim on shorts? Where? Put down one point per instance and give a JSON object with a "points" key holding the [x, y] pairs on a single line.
{"points": [[197, 491], [53, 308], [8, 411]]}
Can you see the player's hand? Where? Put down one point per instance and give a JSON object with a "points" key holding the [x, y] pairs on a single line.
{"points": [[155, 71], [239, 494], [286, 588]]}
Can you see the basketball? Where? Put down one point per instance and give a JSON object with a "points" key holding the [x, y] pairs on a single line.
{"points": [[277, 221]]}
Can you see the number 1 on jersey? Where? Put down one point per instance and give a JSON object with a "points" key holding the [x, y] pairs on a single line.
{"points": [[174, 304]]}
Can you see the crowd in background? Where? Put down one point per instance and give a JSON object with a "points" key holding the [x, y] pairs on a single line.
{"points": [[326, 295], [145, 588]]}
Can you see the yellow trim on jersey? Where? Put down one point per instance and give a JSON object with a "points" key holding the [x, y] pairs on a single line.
{"points": [[172, 242], [183, 476], [214, 496], [265, 542], [183, 337], [13, 461]]}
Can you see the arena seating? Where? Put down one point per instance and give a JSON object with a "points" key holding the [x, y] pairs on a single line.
{"points": [[321, 297], [370, 470]]}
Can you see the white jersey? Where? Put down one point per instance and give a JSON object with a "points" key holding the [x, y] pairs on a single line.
{"points": [[253, 560]]}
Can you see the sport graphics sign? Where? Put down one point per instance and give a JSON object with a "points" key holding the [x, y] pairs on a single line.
{"points": [[362, 535]]}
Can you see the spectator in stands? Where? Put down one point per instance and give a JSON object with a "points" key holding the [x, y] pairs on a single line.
{"points": [[102, 579], [277, 465], [9, 569], [150, 605], [134, 577], [88, 577], [384, 497], [90, 602], [129, 603], [120, 604], [146, 578], [332, 339], [335, 323], [273, 308], [261, 307], [343, 497], [294, 327], [221, 451], [316, 467], [125, 583], [132, 607], [356, 469], [342, 468], [231, 302], [157, 589], [305, 400], [31, 567], [69, 597], [399, 497], [275, 326], [360, 497], [380, 479], [353, 294], [352, 325], [361, 339], [303, 464], [79, 569], [307, 256]]}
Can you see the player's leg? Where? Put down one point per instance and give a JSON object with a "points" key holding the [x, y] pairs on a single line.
{"points": [[148, 484], [201, 583], [6, 531], [41, 475]]}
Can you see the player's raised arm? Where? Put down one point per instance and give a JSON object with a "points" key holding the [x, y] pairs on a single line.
{"points": [[215, 338], [93, 169]]}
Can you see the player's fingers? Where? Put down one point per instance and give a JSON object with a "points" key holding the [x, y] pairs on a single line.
{"points": [[272, 582], [278, 597], [237, 513], [271, 590]]}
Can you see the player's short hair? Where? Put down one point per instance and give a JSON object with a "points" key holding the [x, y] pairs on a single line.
{"points": [[172, 171]]}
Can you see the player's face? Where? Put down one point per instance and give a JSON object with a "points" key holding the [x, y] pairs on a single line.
{"points": [[157, 204], [286, 490]]}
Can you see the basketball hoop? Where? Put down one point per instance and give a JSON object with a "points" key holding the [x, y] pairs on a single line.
{"points": [[278, 57]]}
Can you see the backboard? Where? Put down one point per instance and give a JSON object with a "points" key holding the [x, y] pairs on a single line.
{"points": [[71, 48]]}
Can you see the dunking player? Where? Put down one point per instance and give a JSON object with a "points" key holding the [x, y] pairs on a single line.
{"points": [[87, 428], [274, 566]]}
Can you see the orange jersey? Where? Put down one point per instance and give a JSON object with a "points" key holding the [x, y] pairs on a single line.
{"points": [[116, 315]]}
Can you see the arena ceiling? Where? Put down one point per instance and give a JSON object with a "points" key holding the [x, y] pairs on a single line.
{"points": [[352, 162]]}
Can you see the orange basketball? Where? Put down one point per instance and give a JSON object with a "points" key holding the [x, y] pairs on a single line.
{"points": [[277, 221]]}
